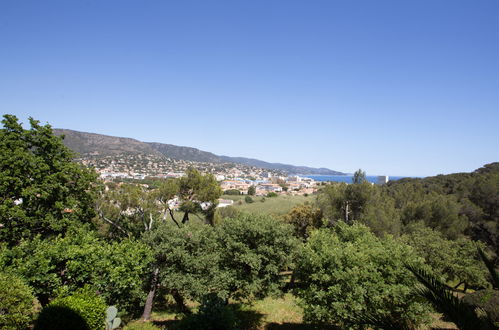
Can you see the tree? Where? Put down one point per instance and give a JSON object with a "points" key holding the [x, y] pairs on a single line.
{"points": [[19, 306], [440, 212], [42, 191], [187, 259], [252, 191], [129, 210], [198, 193], [359, 177], [345, 202], [67, 263], [255, 251], [347, 273], [451, 260], [304, 218]]}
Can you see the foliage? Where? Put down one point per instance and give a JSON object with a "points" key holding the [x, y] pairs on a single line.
{"points": [[252, 191], [439, 212], [359, 177], [213, 314], [187, 258], [232, 192], [248, 199], [380, 214], [128, 209], [272, 194], [84, 305], [18, 306], [491, 267], [456, 261], [42, 191], [444, 301], [196, 189], [347, 272], [256, 250], [473, 196], [487, 300], [226, 212], [304, 218], [116, 269]]}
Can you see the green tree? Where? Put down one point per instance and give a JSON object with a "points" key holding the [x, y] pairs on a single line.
{"points": [[252, 191], [348, 273], [116, 269], [304, 218], [130, 209], [18, 304], [255, 251], [42, 191], [440, 212], [187, 259], [198, 193], [455, 261], [359, 177], [381, 215]]}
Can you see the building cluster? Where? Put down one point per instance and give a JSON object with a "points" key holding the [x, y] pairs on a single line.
{"points": [[230, 175], [294, 185], [142, 166]]}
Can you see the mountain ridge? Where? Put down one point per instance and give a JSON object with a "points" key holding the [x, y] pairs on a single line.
{"points": [[94, 143]]}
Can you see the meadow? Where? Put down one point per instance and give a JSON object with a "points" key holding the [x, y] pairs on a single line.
{"points": [[275, 206]]}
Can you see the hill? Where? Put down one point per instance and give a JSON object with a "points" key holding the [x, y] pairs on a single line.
{"points": [[97, 144]]}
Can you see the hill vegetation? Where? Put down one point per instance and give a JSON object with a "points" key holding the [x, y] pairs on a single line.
{"points": [[356, 255], [90, 143]]}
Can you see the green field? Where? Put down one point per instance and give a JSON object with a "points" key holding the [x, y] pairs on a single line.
{"points": [[279, 205]]}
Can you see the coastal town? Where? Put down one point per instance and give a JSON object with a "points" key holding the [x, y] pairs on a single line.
{"points": [[233, 178]]}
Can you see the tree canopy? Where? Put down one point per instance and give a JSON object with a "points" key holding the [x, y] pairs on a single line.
{"points": [[42, 191]]}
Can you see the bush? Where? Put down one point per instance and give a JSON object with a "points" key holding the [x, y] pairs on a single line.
{"points": [[248, 199], [232, 192], [115, 269], [271, 194], [82, 310], [256, 250], [214, 314], [349, 277], [18, 306]]}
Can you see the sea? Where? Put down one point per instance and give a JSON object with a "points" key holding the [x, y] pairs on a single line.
{"points": [[349, 178]]}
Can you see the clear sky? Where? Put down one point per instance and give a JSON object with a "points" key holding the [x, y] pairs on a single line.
{"points": [[392, 87]]}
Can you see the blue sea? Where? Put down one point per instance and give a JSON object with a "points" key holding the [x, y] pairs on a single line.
{"points": [[348, 178]]}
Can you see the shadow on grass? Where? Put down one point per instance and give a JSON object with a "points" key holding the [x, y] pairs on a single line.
{"points": [[299, 326], [167, 324], [248, 319]]}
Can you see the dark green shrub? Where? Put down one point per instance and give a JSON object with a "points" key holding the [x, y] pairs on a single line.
{"points": [[214, 314], [256, 249], [82, 310], [232, 192], [271, 194], [349, 277], [248, 199], [18, 306]]}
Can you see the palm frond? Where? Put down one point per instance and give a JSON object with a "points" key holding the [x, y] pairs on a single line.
{"points": [[436, 292], [489, 263]]}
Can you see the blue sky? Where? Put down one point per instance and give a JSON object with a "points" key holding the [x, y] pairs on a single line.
{"points": [[392, 87]]}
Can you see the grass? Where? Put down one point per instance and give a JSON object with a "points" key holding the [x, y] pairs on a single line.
{"points": [[281, 313], [279, 205]]}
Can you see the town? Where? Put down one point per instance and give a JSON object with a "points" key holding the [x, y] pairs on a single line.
{"points": [[233, 178]]}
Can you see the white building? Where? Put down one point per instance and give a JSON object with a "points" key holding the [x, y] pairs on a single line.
{"points": [[382, 179]]}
